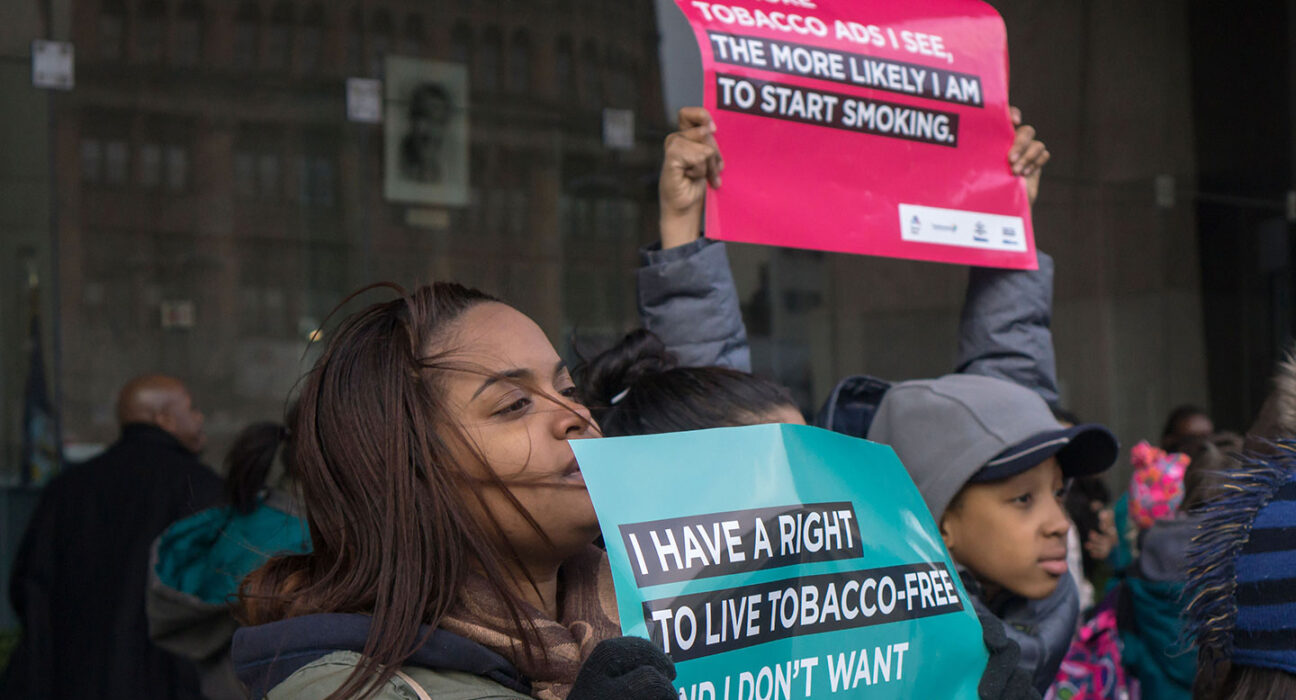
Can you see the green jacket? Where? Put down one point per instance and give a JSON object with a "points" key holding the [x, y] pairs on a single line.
{"points": [[316, 680]]}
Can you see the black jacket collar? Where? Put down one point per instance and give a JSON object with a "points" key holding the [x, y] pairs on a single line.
{"points": [[147, 432], [266, 655]]}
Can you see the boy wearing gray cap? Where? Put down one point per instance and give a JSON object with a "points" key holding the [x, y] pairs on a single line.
{"points": [[991, 463]]}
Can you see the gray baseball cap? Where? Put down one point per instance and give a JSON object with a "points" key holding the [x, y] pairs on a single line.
{"points": [[964, 428]]}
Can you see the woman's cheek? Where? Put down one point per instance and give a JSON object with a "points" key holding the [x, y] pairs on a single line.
{"points": [[512, 449]]}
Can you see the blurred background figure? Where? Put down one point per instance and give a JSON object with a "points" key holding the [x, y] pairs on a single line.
{"points": [[1185, 422], [198, 563], [79, 576], [1154, 649], [1093, 528], [1088, 505], [1155, 492]]}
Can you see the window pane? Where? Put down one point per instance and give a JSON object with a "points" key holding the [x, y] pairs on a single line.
{"points": [[312, 47], [188, 34], [188, 42], [413, 42], [487, 70], [245, 174], [301, 164], [591, 72], [91, 161], [117, 159], [177, 168], [380, 42], [268, 179], [563, 73], [278, 47], [247, 36], [322, 182], [461, 45], [355, 42], [520, 64], [150, 166], [112, 32], [150, 39]]}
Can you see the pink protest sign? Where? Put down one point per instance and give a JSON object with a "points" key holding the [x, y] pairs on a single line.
{"points": [[878, 127]]}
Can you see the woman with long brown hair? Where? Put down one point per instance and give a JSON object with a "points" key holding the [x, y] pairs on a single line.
{"points": [[451, 526]]}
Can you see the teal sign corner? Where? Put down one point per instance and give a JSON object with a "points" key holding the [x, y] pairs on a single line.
{"points": [[781, 562]]}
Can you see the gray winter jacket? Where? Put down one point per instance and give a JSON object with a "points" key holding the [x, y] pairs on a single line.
{"points": [[688, 298], [1043, 628]]}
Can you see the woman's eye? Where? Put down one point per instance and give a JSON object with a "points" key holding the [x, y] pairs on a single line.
{"points": [[569, 392], [1060, 494], [1022, 500], [514, 407]]}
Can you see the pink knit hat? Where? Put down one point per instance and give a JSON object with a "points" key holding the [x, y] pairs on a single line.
{"points": [[1156, 489]]}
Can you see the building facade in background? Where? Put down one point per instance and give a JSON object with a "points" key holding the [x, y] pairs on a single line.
{"points": [[208, 202], [215, 203]]}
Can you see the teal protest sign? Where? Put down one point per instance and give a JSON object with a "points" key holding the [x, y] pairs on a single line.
{"points": [[780, 562]]}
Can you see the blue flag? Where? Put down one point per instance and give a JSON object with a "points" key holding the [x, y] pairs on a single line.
{"points": [[40, 443]]}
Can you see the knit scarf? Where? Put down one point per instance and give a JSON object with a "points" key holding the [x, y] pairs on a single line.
{"points": [[587, 614]]}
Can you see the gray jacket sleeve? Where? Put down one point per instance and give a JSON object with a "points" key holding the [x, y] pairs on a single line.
{"points": [[688, 298], [1004, 330]]}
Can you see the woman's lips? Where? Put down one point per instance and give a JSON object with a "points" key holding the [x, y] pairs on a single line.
{"points": [[573, 474]]}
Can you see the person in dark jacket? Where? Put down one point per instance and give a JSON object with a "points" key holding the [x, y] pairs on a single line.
{"points": [[79, 576]]}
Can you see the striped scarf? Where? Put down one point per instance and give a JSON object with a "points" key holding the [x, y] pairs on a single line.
{"points": [[1242, 571], [587, 615]]}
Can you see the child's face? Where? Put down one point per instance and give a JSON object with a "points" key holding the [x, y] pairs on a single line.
{"points": [[1012, 533]]}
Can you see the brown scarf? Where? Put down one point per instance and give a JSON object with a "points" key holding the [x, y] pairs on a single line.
{"points": [[587, 614]]}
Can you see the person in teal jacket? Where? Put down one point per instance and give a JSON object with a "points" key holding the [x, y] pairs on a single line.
{"points": [[1151, 617], [199, 562]]}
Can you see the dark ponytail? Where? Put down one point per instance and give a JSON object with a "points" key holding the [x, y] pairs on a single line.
{"points": [[639, 354], [248, 463], [637, 388]]}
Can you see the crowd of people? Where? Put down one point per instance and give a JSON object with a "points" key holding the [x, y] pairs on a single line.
{"points": [[417, 525]]}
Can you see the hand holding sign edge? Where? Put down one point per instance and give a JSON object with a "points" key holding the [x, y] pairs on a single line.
{"points": [[1027, 155], [692, 161]]}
